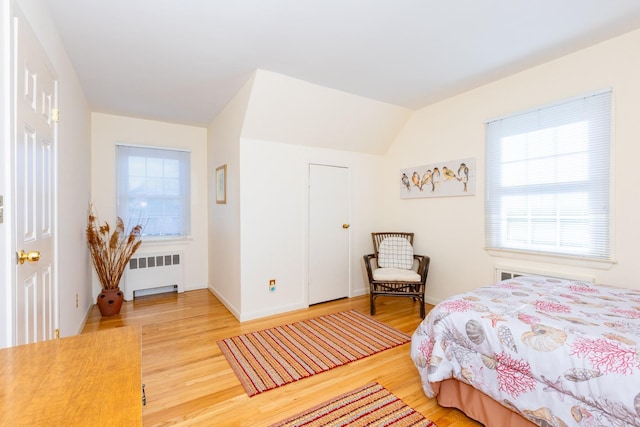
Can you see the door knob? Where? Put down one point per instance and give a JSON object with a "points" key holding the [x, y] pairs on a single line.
{"points": [[32, 256], [345, 226]]}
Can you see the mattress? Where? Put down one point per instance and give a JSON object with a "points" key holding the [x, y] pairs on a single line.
{"points": [[557, 352]]}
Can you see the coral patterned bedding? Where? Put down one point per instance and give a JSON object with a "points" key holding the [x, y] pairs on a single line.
{"points": [[559, 352]]}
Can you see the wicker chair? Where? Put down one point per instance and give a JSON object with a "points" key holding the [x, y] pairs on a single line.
{"points": [[388, 279]]}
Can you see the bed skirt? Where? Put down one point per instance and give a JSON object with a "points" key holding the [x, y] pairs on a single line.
{"points": [[452, 393]]}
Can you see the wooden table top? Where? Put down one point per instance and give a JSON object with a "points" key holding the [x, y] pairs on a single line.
{"points": [[92, 379]]}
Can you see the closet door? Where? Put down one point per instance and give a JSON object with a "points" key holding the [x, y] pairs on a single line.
{"points": [[328, 233]]}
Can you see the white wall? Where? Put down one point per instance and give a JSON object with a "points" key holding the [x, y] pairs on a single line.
{"points": [[106, 131], [224, 219], [451, 229], [293, 111], [267, 136], [275, 221], [288, 125]]}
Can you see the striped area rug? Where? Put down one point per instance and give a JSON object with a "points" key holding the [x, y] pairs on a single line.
{"points": [[371, 405], [267, 359]]}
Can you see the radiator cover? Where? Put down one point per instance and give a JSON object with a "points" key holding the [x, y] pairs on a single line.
{"points": [[154, 270], [509, 272]]}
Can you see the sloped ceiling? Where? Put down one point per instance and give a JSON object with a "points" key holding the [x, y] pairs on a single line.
{"points": [[293, 111], [182, 61]]}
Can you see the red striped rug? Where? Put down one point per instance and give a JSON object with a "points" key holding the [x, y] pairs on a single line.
{"points": [[371, 405], [267, 359]]}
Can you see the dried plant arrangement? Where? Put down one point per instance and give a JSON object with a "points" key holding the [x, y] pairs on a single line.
{"points": [[111, 250]]}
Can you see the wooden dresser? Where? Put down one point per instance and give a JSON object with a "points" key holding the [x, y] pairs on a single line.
{"points": [[92, 379]]}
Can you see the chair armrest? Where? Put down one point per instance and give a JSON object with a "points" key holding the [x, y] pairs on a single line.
{"points": [[423, 266], [367, 262]]}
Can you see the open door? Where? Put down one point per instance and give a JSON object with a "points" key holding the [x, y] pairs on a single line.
{"points": [[34, 176]]}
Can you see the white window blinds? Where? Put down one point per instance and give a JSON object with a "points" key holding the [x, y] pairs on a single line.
{"points": [[548, 179], [153, 189]]}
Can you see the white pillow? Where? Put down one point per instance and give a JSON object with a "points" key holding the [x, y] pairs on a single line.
{"points": [[395, 252], [395, 275]]}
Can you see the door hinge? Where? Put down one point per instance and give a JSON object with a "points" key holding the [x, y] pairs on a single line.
{"points": [[57, 334], [55, 115]]}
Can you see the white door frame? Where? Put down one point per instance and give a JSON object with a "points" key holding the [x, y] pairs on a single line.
{"points": [[6, 189]]}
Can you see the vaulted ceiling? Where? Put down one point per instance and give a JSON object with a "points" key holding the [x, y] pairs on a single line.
{"points": [[183, 60]]}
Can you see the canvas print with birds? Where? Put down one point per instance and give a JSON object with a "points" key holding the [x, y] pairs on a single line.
{"points": [[451, 178]]}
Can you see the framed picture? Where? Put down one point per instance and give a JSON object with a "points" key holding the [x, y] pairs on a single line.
{"points": [[452, 178], [221, 184]]}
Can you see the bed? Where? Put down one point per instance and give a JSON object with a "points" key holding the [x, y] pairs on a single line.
{"points": [[535, 351]]}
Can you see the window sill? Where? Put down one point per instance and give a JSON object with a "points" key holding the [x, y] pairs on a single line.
{"points": [[158, 240], [552, 259]]}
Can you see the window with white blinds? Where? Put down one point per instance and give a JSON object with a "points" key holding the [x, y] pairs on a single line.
{"points": [[153, 189], [548, 179]]}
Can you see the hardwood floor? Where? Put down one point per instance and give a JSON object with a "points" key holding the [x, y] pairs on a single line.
{"points": [[189, 382]]}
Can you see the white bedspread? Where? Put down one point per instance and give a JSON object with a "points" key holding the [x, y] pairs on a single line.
{"points": [[561, 353]]}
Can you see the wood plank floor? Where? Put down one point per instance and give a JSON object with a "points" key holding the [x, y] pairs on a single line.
{"points": [[189, 382]]}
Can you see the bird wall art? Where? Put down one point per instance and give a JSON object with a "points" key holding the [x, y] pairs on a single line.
{"points": [[452, 178]]}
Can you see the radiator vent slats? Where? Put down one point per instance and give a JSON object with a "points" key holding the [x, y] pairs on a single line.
{"points": [[154, 261], [154, 271], [506, 273]]}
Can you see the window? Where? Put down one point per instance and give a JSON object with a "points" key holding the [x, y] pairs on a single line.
{"points": [[153, 189], [547, 180]]}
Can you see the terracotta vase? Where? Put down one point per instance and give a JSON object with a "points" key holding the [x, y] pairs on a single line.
{"points": [[110, 301]]}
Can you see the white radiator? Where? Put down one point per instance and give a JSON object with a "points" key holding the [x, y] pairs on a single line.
{"points": [[505, 273], [154, 271]]}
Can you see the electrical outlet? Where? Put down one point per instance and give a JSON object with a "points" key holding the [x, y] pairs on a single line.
{"points": [[77, 300], [272, 285]]}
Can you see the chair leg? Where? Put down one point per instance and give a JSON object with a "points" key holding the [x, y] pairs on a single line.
{"points": [[422, 313], [372, 307]]}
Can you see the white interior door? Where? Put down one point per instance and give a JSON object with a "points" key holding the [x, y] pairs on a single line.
{"points": [[35, 92], [328, 233]]}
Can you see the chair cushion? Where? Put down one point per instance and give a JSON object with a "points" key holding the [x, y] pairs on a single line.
{"points": [[395, 275], [395, 252]]}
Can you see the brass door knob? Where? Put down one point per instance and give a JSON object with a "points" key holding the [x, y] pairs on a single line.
{"points": [[345, 226], [33, 256]]}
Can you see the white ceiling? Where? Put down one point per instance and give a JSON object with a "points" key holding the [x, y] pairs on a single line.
{"points": [[181, 61]]}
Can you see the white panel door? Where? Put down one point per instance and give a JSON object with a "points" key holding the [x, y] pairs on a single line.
{"points": [[35, 91], [328, 233]]}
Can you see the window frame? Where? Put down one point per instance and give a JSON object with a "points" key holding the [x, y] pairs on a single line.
{"points": [[184, 178], [495, 220]]}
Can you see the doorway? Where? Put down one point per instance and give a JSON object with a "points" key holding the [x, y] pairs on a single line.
{"points": [[328, 233]]}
